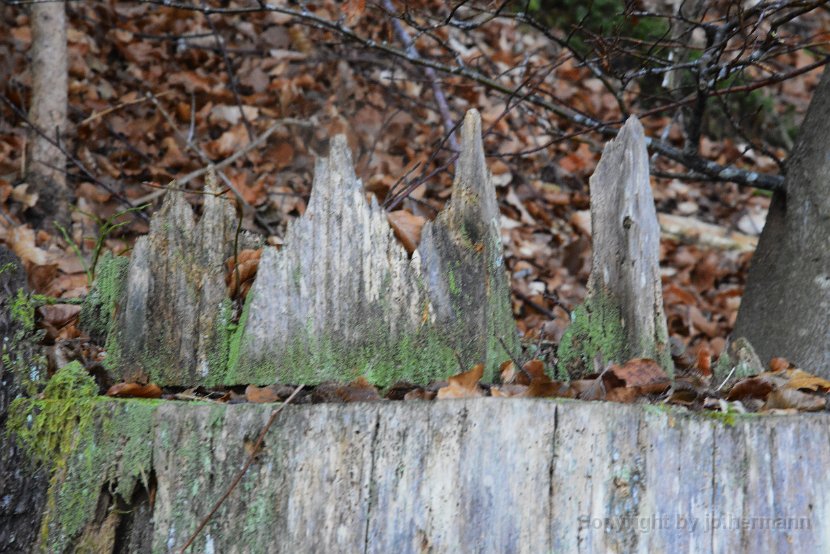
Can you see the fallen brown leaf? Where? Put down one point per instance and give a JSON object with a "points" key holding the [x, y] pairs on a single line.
{"points": [[508, 390], [535, 368], [463, 385], [359, 390], [779, 364], [644, 373], [407, 228], [794, 399], [752, 387], [800, 379], [134, 390], [261, 395], [544, 387], [419, 394]]}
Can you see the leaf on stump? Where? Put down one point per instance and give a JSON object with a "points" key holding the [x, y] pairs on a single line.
{"points": [[463, 385], [359, 390], [261, 395], [792, 399], [643, 373]]}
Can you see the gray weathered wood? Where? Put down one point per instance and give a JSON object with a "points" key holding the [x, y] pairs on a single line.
{"points": [[464, 264], [341, 299], [622, 317], [342, 294], [488, 475], [172, 317]]}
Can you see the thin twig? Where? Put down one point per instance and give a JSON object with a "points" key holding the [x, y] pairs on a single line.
{"points": [[220, 44], [75, 161], [437, 92], [554, 105], [238, 478], [191, 145], [102, 113]]}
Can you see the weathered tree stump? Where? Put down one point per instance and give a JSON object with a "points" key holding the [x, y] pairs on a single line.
{"points": [[341, 299], [622, 316], [22, 482], [487, 475], [172, 319]]}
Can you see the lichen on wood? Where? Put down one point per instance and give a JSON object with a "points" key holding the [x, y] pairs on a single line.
{"points": [[341, 299], [166, 327], [97, 313], [463, 262], [414, 476], [90, 446], [622, 317]]}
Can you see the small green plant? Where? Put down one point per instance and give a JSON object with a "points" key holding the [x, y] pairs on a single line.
{"points": [[105, 228]]}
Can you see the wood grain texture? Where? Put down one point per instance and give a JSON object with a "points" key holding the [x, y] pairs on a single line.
{"points": [[342, 298], [169, 319], [490, 475], [341, 294], [626, 241], [622, 316], [463, 262]]}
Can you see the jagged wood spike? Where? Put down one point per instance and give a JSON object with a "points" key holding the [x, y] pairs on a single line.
{"points": [[172, 315], [463, 262], [622, 316], [341, 299]]}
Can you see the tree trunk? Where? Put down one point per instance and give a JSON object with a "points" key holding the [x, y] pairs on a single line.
{"points": [[786, 305], [45, 161]]}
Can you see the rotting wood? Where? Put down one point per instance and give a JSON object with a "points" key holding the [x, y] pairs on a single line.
{"points": [[171, 323], [622, 316], [464, 264], [451, 476], [341, 299]]}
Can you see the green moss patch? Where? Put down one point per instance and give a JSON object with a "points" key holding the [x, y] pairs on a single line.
{"points": [[88, 444], [595, 329], [99, 306]]}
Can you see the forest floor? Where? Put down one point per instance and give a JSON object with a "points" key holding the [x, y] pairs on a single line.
{"points": [[151, 99]]}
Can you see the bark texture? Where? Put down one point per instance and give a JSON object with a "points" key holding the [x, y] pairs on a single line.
{"points": [[45, 162], [484, 475], [22, 483], [786, 304], [622, 317]]}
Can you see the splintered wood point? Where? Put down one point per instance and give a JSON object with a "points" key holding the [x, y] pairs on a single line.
{"points": [[472, 189], [464, 264], [341, 296], [170, 318], [623, 315]]}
